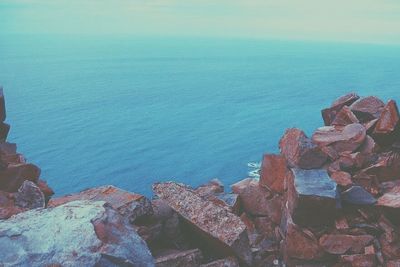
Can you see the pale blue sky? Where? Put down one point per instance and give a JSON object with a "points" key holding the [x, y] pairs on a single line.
{"points": [[376, 21]]}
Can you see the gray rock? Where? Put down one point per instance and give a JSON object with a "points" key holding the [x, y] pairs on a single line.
{"points": [[29, 196], [78, 233], [358, 196], [188, 258]]}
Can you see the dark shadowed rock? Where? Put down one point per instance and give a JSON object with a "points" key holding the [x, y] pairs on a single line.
{"points": [[273, 172], [330, 113], [188, 258], [13, 177], [4, 129], [395, 263], [367, 108], [227, 262], [358, 196], [7, 205], [79, 233], [340, 244], [345, 117], [129, 205], [300, 151], [390, 198], [215, 222], [8, 148], [386, 167], [29, 196], [387, 126], [2, 105], [47, 191]]}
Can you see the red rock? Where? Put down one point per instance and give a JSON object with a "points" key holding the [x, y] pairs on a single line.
{"points": [[241, 185], [2, 106], [8, 148], [369, 182], [213, 187], [367, 108], [341, 223], [265, 226], [47, 191], [273, 172], [218, 226], [390, 198], [186, 258], [369, 146], [12, 178], [386, 168], [342, 178], [129, 205], [300, 151], [387, 124], [370, 125], [227, 262], [228, 201], [359, 260], [4, 129], [389, 250], [345, 117], [388, 228], [7, 205], [395, 263], [339, 244], [369, 250], [329, 114]]}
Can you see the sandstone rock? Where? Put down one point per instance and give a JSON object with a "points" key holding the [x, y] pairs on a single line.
{"points": [[216, 223], [345, 117], [358, 196], [367, 108], [273, 172], [312, 194], [29, 196], [79, 233], [342, 178], [227, 262], [13, 177], [4, 129], [340, 244], [359, 260], [300, 151], [2, 106], [387, 124], [189, 258], [329, 114], [129, 205]]}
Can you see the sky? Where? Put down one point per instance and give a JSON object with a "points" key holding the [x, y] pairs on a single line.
{"points": [[370, 21]]}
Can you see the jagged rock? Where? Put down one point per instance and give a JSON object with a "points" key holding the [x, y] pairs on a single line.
{"points": [[273, 172], [265, 226], [345, 117], [13, 177], [129, 205], [391, 250], [47, 191], [79, 233], [227, 262], [340, 244], [329, 114], [213, 187], [229, 201], [341, 139], [359, 260], [358, 196], [367, 108], [7, 205], [29, 196], [2, 105], [216, 223], [188, 258], [369, 146], [386, 168], [387, 124], [4, 129], [391, 198], [341, 178], [8, 148], [300, 151], [312, 194], [390, 234]]}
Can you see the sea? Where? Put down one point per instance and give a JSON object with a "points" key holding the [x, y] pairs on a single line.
{"points": [[130, 111]]}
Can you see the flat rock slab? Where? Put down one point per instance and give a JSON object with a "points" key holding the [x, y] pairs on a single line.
{"points": [[188, 258], [214, 221], [340, 244], [314, 183], [130, 205], [79, 233]]}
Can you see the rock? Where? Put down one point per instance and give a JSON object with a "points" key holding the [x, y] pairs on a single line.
{"points": [[216, 223], [129, 205], [13, 177], [390, 198], [47, 191], [387, 124], [358, 196], [227, 262], [189, 258], [7, 205], [29, 196], [359, 260], [300, 151], [273, 172], [329, 114], [229, 201], [386, 167], [390, 234], [4, 129], [369, 146], [391, 250], [395, 263], [238, 187], [2, 105], [342, 178], [367, 108], [341, 223], [213, 187], [79, 233], [312, 194], [342, 139], [265, 226], [340, 244], [8, 148], [345, 117]]}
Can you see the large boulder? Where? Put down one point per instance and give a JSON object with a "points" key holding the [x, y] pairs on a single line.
{"points": [[14, 176], [367, 108], [79, 233]]}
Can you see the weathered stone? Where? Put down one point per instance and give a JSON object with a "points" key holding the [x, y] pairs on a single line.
{"points": [[265, 226], [213, 187], [230, 201], [340, 244], [4, 129], [29, 196], [369, 146], [227, 262], [386, 168], [359, 260], [188, 258], [215, 222], [79, 233], [13, 177], [369, 182], [238, 187], [342, 178], [369, 250], [387, 124], [129, 205], [7, 205], [329, 114], [367, 108], [395, 263], [390, 198], [358, 196], [390, 234], [2, 105], [273, 172], [342, 139], [300, 151], [312, 193], [391, 250], [345, 117]]}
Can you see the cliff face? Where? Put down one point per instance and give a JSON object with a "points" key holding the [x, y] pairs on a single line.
{"points": [[329, 200]]}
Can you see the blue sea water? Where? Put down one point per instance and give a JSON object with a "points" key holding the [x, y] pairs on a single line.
{"points": [[129, 112]]}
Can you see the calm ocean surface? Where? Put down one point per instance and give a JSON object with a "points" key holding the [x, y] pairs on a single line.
{"points": [[129, 112]]}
